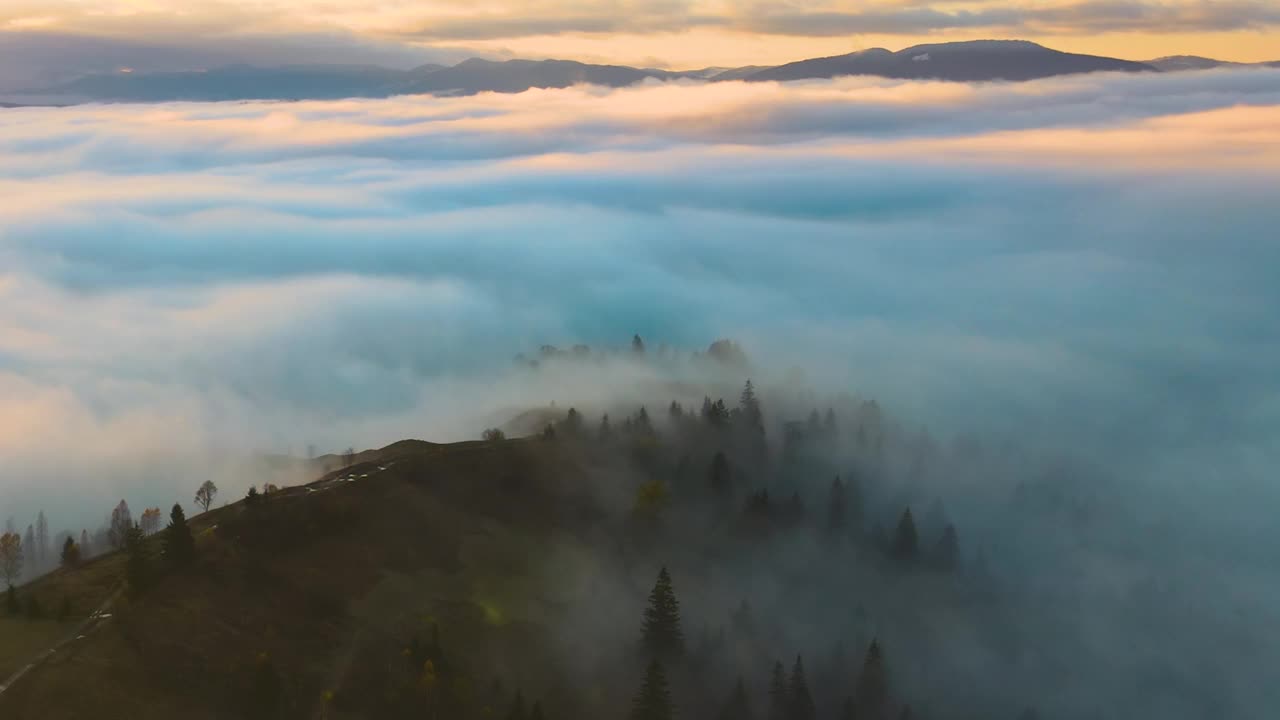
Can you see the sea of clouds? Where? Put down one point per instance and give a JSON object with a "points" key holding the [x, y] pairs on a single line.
{"points": [[1088, 262]]}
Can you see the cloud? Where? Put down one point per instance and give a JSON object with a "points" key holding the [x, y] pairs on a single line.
{"points": [[1083, 263]]}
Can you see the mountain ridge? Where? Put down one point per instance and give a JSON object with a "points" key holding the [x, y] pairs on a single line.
{"points": [[969, 61]]}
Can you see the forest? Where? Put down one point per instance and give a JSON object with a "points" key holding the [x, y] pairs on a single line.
{"points": [[727, 550]]}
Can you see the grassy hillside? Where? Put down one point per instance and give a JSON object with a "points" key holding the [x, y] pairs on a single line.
{"points": [[328, 584]]}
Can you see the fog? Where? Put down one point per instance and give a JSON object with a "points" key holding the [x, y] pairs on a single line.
{"points": [[1082, 267]]}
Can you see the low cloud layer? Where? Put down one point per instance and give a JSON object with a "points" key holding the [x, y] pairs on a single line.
{"points": [[1085, 263]]}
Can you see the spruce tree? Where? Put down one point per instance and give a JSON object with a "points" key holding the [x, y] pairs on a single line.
{"points": [[779, 701], [661, 633], [906, 542], [136, 569], [801, 701], [653, 701], [517, 711], [871, 695], [179, 545], [737, 707], [836, 508], [947, 554], [719, 477]]}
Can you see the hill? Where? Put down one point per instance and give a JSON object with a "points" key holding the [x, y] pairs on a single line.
{"points": [[973, 61]]}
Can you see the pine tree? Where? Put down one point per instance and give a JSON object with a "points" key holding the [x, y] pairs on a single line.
{"points": [[136, 570], [737, 707], [179, 546], [947, 554], [871, 695], [801, 702], [836, 508], [853, 502], [906, 542], [661, 632], [720, 479], [653, 701], [779, 700], [517, 711]]}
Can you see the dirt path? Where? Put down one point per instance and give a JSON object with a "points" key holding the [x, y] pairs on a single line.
{"points": [[98, 618]]}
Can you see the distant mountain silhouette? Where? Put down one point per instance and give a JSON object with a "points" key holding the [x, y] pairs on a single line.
{"points": [[1174, 63], [977, 61]]}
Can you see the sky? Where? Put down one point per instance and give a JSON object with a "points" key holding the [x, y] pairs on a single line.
{"points": [[103, 35]]}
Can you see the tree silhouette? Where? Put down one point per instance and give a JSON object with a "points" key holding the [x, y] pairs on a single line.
{"points": [[70, 553], [737, 706], [11, 557], [637, 345], [837, 507], [661, 633], [871, 695], [42, 539], [653, 701], [947, 554], [779, 699], [179, 545], [719, 477], [206, 493], [121, 521], [800, 701], [906, 542], [517, 711]]}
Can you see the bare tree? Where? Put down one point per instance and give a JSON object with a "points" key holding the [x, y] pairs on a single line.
{"points": [[205, 495], [11, 557], [349, 457], [42, 540], [121, 522]]}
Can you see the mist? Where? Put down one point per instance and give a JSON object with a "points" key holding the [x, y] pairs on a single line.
{"points": [[1078, 272]]}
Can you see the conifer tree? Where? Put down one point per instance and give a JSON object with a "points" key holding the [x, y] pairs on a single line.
{"points": [[606, 432], [661, 632], [179, 546], [906, 542], [854, 512], [136, 569], [719, 477], [871, 694], [653, 701], [517, 711], [779, 701], [837, 508], [800, 700], [86, 549], [947, 554], [737, 707]]}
